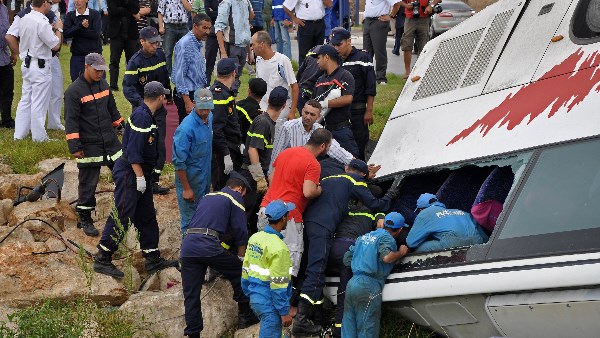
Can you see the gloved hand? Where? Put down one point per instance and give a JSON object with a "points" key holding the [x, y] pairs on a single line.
{"points": [[228, 165], [394, 191], [333, 94], [256, 171], [240, 258], [262, 185], [120, 128], [140, 184], [242, 148]]}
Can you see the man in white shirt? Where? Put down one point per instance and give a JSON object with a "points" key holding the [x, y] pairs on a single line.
{"points": [[38, 38], [309, 18], [376, 24], [276, 69]]}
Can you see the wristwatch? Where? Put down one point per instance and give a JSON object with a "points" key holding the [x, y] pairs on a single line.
{"points": [[58, 29]]}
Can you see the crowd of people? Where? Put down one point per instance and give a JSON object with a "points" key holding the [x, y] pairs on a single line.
{"points": [[290, 196]]}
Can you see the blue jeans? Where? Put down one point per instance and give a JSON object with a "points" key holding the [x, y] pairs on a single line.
{"points": [[270, 320], [173, 32], [282, 38], [362, 309]]}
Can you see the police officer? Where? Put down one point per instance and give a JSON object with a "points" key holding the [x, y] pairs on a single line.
{"points": [[334, 90], [360, 65], [320, 221], [257, 154], [217, 214], [90, 116], [270, 293], [148, 65], [249, 108], [132, 173], [227, 138]]}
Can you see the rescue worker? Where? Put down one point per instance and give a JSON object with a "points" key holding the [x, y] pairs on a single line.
{"points": [[438, 228], [320, 221], [227, 138], [360, 64], [147, 65], [257, 154], [132, 174], [334, 90], [372, 259], [192, 152], [91, 117], [249, 108], [307, 76], [218, 213], [266, 272]]}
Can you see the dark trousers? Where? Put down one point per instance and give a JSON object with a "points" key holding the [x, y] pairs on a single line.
{"points": [[360, 131], [374, 42], [193, 270], [133, 207], [310, 35], [336, 259], [346, 139], [119, 45], [252, 201], [212, 47], [161, 122], [104, 28], [397, 38], [86, 190], [7, 87], [77, 66], [318, 246], [180, 104], [218, 177]]}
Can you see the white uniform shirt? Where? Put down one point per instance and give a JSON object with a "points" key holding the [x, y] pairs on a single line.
{"points": [[376, 8], [306, 9], [36, 36], [277, 71]]}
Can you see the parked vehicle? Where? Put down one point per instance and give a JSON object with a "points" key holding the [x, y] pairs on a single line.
{"points": [[504, 109], [453, 13]]}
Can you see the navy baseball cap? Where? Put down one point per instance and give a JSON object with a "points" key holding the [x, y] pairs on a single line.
{"points": [[277, 209], [425, 200], [226, 66], [155, 89], [394, 220], [338, 35], [359, 165], [150, 34], [278, 96], [235, 174], [326, 50]]}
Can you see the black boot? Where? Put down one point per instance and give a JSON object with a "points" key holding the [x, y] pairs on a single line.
{"points": [[103, 264], [303, 325], [246, 316], [156, 188], [317, 314], [87, 223], [156, 263]]}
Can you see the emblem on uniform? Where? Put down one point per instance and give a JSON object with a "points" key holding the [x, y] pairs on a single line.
{"points": [[218, 89], [230, 111], [151, 139], [142, 79]]}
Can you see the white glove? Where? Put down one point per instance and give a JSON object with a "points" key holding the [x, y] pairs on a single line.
{"points": [[333, 94], [242, 148], [228, 165], [140, 184], [256, 171], [241, 258]]}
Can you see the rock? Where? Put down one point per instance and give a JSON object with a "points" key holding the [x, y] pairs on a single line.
{"points": [[249, 332], [20, 235], [5, 169], [169, 223], [9, 184], [6, 206], [45, 210], [5, 311], [162, 280]]}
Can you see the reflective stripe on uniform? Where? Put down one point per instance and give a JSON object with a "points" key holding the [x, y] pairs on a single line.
{"points": [[276, 7], [72, 136], [138, 129], [338, 325], [366, 214], [261, 271], [146, 69], [228, 196], [360, 63], [267, 145], [157, 171], [311, 53], [116, 156], [363, 184], [226, 101], [103, 248], [150, 250], [245, 113], [100, 158], [302, 295], [96, 96], [225, 246], [117, 122], [83, 207]]}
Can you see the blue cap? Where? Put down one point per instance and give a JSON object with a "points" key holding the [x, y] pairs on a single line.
{"points": [[394, 220], [425, 200], [226, 66], [204, 99], [150, 34], [359, 165], [277, 209], [326, 50], [235, 174], [338, 35], [278, 96]]}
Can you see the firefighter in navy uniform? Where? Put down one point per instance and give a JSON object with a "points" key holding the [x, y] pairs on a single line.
{"points": [[147, 65], [132, 174], [227, 137], [249, 108], [90, 118], [360, 64]]}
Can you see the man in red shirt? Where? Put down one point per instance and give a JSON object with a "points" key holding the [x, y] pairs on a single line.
{"points": [[295, 179]]}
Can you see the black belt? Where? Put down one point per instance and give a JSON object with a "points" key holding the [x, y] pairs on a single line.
{"points": [[203, 231], [314, 21], [337, 126]]}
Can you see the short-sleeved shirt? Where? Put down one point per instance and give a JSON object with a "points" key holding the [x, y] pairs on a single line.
{"points": [[248, 109], [306, 9], [368, 253], [37, 37], [173, 11], [376, 8], [260, 136], [277, 71], [292, 167], [342, 79]]}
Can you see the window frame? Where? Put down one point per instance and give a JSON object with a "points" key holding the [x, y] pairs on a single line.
{"points": [[577, 14]]}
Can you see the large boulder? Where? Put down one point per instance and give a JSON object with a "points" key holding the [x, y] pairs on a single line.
{"points": [[162, 280], [10, 184], [46, 210], [249, 332], [6, 206], [18, 235]]}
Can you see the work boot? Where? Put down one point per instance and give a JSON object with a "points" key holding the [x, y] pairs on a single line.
{"points": [[303, 326], [246, 316], [103, 264], [157, 263], [156, 188], [87, 223], [317, 314]]}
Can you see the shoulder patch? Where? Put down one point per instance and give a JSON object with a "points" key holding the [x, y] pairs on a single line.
{"points": [[218, 89]]}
